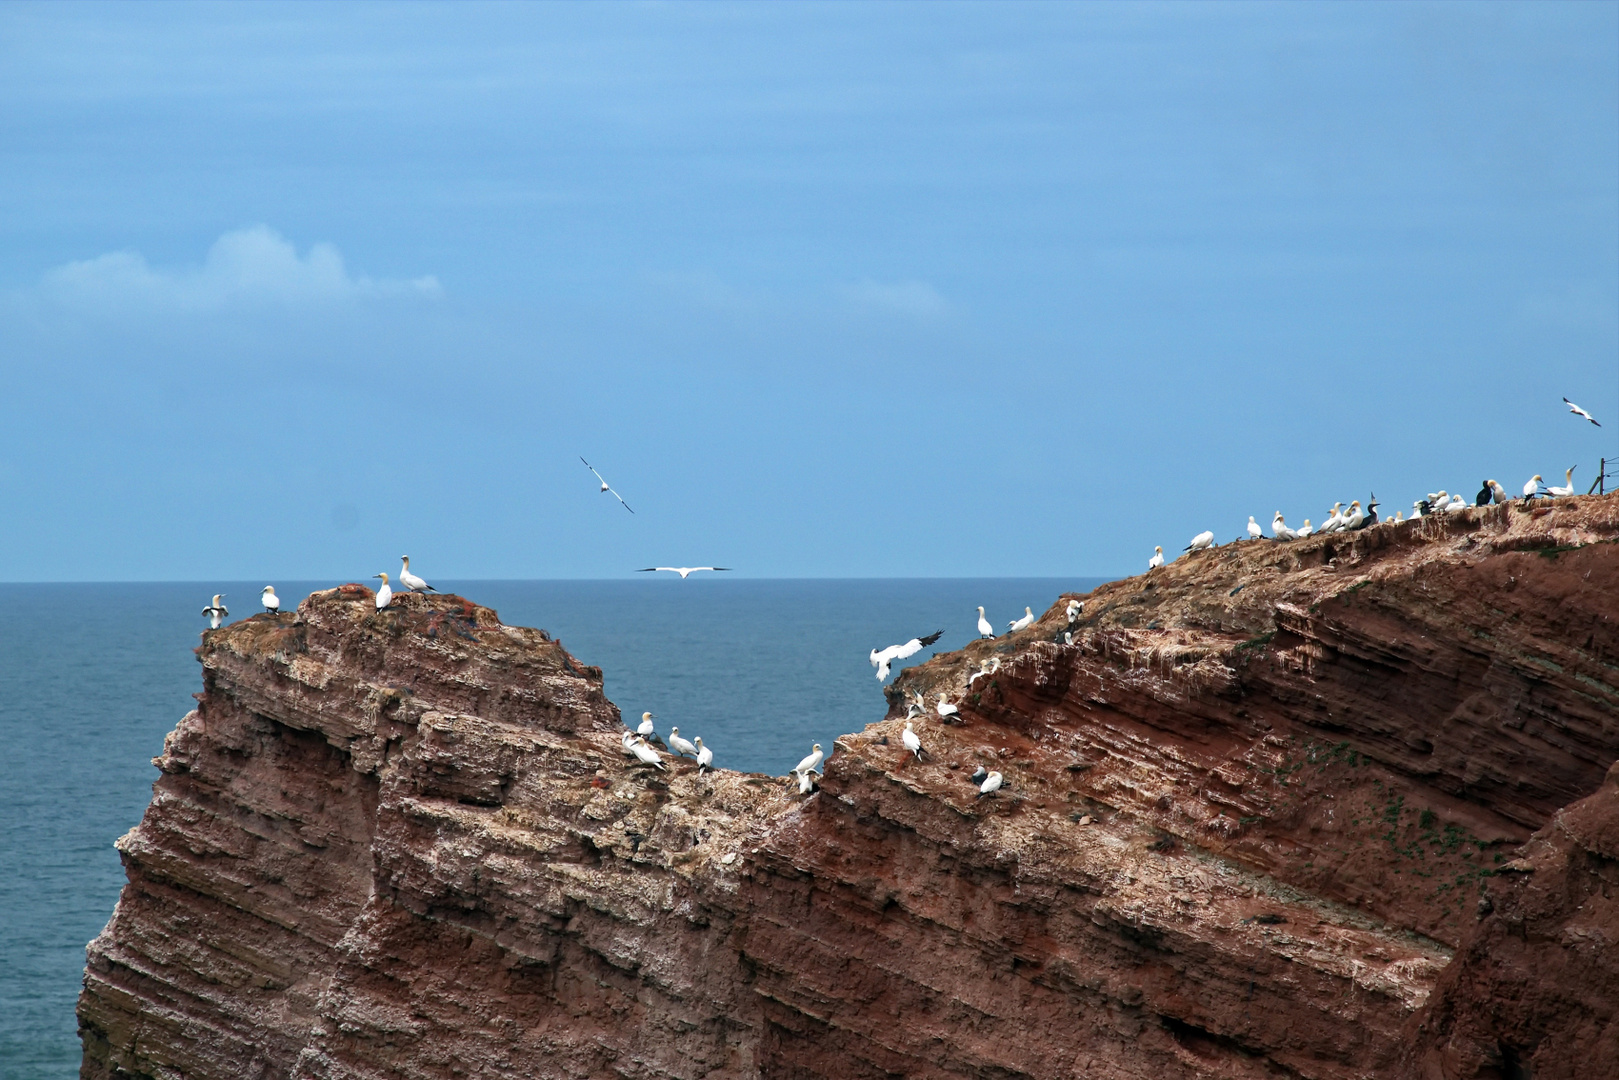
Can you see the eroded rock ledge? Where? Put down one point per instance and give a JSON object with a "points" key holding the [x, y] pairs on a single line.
{"points": [[1336, 808]]}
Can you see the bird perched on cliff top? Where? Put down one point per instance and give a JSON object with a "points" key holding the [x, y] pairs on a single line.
{"points": [[215, 611], [978, 776], [705, 756], [269, 599], [1076, 608], [1417, 508], [1335, 519], [1018, 624], [1532, 487], [645, 754], [1204, 539], [681, 747], [683, 571], [646, 729], [882, 658], [985, 667], [811, 763], [946, 710], [1280, 530], [1484, 495], [410, 580], [1568, 485], [1353, 517], [385, 595], [1500, 492], [1457, 503], [1254, 531], [984, 629], [1157, 559], [1577, 411], [806, 783], [628, 743], [992, 783], [606, 487], [1305, 530], [912, 741]]}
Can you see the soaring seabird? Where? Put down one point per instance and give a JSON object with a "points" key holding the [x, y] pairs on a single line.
{"points": [[985, 667], [882, 658], [1280, 530], [410, 580], [681, 747], [1157, 559], [992, 784], [811, 763], [1254, 531], [1075, 609], [605, 487], [385, 595], [911, 741], [1532, 487], [1204, 539], [681, 570], [1577, 411], [705, 756], [1568, 485], [646, 754], [646, 729], [947, 710], [215, 611], [984, 629], [1018, 624], [269, 599]]}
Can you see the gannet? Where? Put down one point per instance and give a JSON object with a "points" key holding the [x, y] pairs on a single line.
{"points": [[978, 776], [1067, 638], [1457, 503], [1254, 531], [1439, 501], [1204, 539], [385, 595], [1157, 559], [1399, 516], [410, 580], [646, 729], [882, 658], [681, 747], [1334, 520], [628, 743], [705, 756], [681, 570], [1305, 530], [1280, 530], [1568, 485], [911, 741], [985, 667], [1353, 518], [1500, 492], [984, 629], [269, 599], [1532, 487], [646, 754], [811, 763], [605, 487], [946, 710], [806, 782], [215, 611], [1416, 509], [1075, 609], [1577, 411], [1018, 624], [992, 784]]}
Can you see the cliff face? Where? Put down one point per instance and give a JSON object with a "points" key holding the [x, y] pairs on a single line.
{"points": [[1263, 818]]}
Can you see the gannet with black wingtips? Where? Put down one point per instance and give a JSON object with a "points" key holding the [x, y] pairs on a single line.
{"points": [[1157, 559], [681, 747], [1532, 487], [1018, 624], [945, 709], [1568, 485], [992, 783], [215, 611], [806, 783], [385, 594], [1204, 539], [912, 741], [810, 763], [628, 744], [410, 580], [271, 602], [1254, 531], [984, 629], [646, 755], [646, 729], [1577, 411], [605, 487], [978, 776], [882, 658], [705, 756], [683, 571]]}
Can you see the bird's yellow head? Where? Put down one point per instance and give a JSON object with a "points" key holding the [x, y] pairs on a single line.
{"points": [[646, 716], [383, 576], [405, 559]]}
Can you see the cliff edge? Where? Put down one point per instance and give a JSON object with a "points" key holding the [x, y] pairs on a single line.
{"points": [[1334, 808]]}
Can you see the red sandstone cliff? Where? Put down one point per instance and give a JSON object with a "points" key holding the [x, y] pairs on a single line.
{"points": [[1333, 808]]}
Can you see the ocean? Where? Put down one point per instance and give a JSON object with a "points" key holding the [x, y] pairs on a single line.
{"points": [[93, 676]]}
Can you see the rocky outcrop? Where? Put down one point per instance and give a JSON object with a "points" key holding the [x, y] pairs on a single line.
{"points": [[1333, 808]]}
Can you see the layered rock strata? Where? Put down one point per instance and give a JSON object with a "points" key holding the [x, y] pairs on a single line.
{"points": [[1332, 808]]}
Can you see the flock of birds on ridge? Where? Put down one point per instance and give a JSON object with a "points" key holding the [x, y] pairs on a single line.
{"points": [[641, 745]]}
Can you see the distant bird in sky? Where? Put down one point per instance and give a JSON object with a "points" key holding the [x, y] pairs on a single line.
{"points": [[1204, 539], [410, 580], [1568, 485], [646, 754], [984, 629], [811, 763], [215, 611], [882, 658], [1018, 624], [705, 756], [269, 599], [385, 595], [646, 729], [992, 783], [1157, 559], [606, 487], [1254, 531], [681, 570], [912, 741], [1577, 411], [1532, 487], [682, 747], [947, 710]]}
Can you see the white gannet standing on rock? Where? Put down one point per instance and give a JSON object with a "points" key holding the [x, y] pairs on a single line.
{"points": [[1500, 492], [215, 611], [269, 599], [683, 571], [605, 487], [410, 580], [681, 747], [1157, 559], [1075, 610], [912, 742], [646, 755], [947, 710], [806, 783], [1577, 411], [705, 756], [1280, 530], [1532, 488], [984, 629], [809, 764], [1568, 485], [1304, 530], [385, 595], [992, 783], [1254, 531], [1018, 624], [985, 667], [1353, 517], [882, 658], [1204, 539], [1456, 503], [646, 729], [1335, 520], [628, 743]]}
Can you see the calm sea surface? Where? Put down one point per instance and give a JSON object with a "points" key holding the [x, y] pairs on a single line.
{"points": [[93, 676]]}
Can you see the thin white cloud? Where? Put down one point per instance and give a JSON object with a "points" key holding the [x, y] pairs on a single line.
{"points": [[914, 298], [251, 266]]}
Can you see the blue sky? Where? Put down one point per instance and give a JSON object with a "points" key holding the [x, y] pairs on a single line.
{"points": [[840, 290]]}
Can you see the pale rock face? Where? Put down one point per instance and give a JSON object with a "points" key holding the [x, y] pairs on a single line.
{"points": [[407, 843]]}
